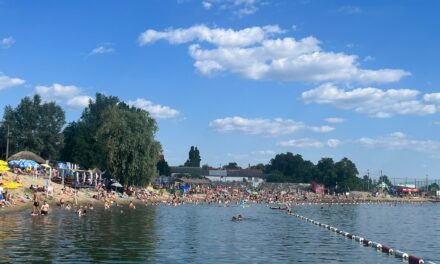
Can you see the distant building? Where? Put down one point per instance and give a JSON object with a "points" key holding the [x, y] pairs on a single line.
{"points": [[188, 171], [253, 176]]}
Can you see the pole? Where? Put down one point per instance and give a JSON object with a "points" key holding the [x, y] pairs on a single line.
{"points": [[7, 144], [368, 173]]}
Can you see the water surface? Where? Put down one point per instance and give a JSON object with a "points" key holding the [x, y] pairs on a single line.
{"points": [[206, 234]]}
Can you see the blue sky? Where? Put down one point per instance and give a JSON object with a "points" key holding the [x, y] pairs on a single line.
{"points": [[244, 79]]}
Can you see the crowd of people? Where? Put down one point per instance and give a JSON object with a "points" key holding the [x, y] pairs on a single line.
{"points": [[225, 194]]}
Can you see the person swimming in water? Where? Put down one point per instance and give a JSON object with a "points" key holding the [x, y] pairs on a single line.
{"points": [[237, 218]]}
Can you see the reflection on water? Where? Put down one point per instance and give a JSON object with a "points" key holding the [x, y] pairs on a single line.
{"points": [[206, 234]]}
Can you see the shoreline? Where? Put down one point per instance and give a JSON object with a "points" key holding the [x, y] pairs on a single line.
{"points": [[23, 198], [126, 201]]}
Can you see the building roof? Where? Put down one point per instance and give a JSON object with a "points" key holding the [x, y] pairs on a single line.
{"points": [[246, 173], [194, 181], [189, 170]]}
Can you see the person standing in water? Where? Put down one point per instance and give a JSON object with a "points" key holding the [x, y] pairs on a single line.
{"points": [[45, 208], [36, 203]]}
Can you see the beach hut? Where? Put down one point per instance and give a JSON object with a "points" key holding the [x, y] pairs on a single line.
{"points": [[27, 155], [383, 186]]}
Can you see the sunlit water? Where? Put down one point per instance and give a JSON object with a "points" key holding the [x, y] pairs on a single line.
{"points": [[206, 234]]}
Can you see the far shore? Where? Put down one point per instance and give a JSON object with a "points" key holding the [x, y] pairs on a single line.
{"points": [[23, 197]]}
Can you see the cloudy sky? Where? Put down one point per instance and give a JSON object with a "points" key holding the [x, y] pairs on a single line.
{"points": [[244, 79]]}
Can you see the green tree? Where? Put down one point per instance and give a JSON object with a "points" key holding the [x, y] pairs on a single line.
{"points": [[127, 137], [81, 142], [293, 168], [346, 173], [193, 158], [385, 179], [163, 168], [231, 166], [326, 172], [434, 187], [114, 137], [259, 166], [34, 126]]}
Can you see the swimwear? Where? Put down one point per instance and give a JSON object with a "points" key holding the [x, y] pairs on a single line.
{"points": [[36, 203], [44, 212]]}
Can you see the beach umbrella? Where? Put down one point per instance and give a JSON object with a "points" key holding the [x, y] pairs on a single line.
{"points": [[27, 164], [27, 155], [11, 185], [3, 166], [117, 185]]}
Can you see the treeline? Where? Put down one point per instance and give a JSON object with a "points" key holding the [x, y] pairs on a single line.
{"points": [[109, 135], [338, 176]]}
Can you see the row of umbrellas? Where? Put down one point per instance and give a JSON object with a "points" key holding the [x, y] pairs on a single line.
{"points": [[24, 164]]}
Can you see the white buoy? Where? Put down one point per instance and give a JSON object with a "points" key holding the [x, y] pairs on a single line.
{"points": [[401, 254], [359, 239], [376, 245]]}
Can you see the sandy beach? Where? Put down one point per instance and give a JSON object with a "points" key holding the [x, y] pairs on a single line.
{"points": [[23, 196]]}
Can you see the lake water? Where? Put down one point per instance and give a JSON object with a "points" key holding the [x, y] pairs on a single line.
{"points": [[206, 234]]}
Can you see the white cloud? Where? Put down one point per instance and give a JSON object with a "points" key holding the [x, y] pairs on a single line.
{"points": [[257, 126], [254, 53], [302, 143], [400, 141], [368, 58], [373, 101], [333, 143], [335, 120], [349, 9], [156, 110], [70, 95], [7, 42], [102, 50], [322, 129], [57, 91], [8, 82], [239, 8], [263, 152], [216, 36], [309, 143], [262, 126], [206, 5], [80, 101], [432, 98]]}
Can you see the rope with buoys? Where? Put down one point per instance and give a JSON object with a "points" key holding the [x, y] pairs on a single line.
{"points": [[367, 243], [357, 203]]}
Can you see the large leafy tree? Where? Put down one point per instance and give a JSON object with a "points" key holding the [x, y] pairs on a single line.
{"points": [[287, 167], [114, 137], [35, 126], [130, 150], [81, 142], [293, 167], [347, 172], [326, 172]]}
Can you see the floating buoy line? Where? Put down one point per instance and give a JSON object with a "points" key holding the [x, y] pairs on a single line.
{"points": [[358, 203], [368, 243]]}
